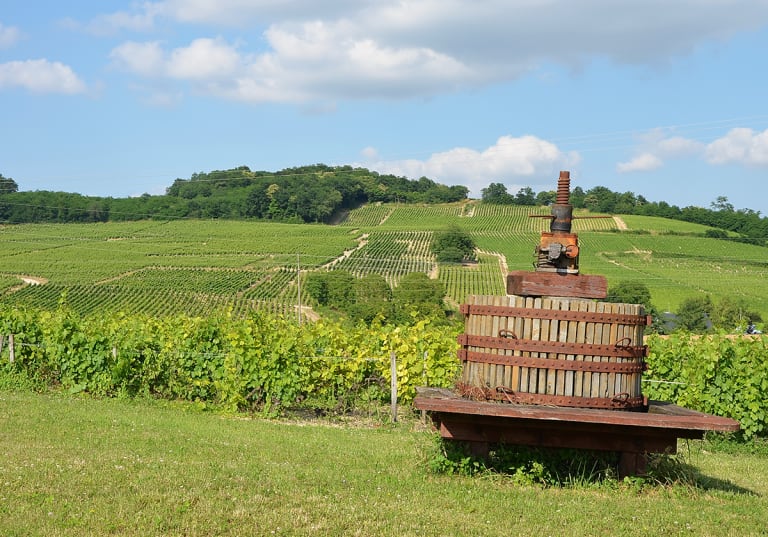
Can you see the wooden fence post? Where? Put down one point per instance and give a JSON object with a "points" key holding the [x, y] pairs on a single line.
{"points": [[393, 384], [424, 375], [11, 349]]}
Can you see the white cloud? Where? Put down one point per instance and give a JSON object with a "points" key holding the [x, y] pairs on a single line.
{"points": [[741, 145], [243, 12], [303, 67], [347, 49], [508, 159], [203, 59], [41, 76], [145, 59], [9, 36], [655, 147], [677, 146], [641, 163]]}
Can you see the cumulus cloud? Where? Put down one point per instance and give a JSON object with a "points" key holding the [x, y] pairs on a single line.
{"points": [[41, 76], [145, 59], [657, 146], [203, 59], [304, 50], [142, 19], [9, 36], [243, 12], [302, 67], [741, 145], [507, 160], [641, 163]]}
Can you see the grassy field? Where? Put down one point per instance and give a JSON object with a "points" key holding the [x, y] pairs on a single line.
{"points": [[197, 266], [80, 467]]}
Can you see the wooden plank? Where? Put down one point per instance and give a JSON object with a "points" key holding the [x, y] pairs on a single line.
{"points": [[613, 338], [601, 389], [581, 333], [526, 283], [660, 415], [562, 336], [474, 322], [589, 337], [485, 329], [578, 436], [573, 326], [505, 324], [527, 333], [639, 333], [493, 330], [539, 327], [552, 336], [517, 328]]}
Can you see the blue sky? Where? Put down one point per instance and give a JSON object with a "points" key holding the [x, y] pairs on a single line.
{"points": [[662, 98]]}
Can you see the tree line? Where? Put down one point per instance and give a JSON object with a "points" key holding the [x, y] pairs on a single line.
{"points": [[747, 224], [304, 194], [318, 193]]}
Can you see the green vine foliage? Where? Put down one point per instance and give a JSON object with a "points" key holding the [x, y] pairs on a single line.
{"points": [[718, 374], [267, 363], [263, 362]]}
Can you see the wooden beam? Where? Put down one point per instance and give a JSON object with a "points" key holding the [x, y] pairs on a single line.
{"points": [[660, 415], [525, 283]]}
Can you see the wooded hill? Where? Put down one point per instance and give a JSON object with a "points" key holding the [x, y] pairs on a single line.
{"points": [[299, 195]]}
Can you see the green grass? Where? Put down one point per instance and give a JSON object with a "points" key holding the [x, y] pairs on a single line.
{"points": [[80, 467], [658, 225]]}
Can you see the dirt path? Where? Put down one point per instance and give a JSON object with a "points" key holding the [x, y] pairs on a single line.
{"points": [[362, 240], [27, 280], [621, 224], [502, 260]]}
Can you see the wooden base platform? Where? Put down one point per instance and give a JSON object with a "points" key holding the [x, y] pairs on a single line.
{"points": [[632, 434]]}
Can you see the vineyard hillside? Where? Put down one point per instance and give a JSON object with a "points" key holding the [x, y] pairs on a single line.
{"points": [[200, 266]]}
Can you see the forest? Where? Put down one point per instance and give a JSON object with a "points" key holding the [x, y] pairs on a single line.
{"points": [[321, 194], [308, 194]]}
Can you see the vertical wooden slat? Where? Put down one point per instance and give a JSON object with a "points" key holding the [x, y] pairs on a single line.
{"points": [[597, 378], [504, 322], [527, 333], [516, 326], [613, 338], [581, 335], [537, 329], [639, 331], [589, 337], [570, 337], [516, 370], [618, 386], [497, 371], [551, 329], [483, 329], [511, 327], [562, 336], [472, 322]]}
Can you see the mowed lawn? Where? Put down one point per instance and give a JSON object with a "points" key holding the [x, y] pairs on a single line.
{"points": [[77, 466]]}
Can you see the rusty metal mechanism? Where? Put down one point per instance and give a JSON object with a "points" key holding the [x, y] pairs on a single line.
{"points": [[558, 249]]}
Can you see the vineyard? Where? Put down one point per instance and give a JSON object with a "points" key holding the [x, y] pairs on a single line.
{"points": [[203, 266]]}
